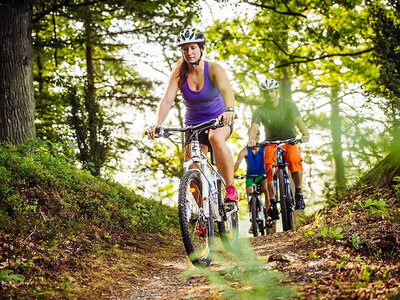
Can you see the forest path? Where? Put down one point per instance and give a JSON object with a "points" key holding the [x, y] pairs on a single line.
{"points": [[316, 271], [160, 274], [161, 268]]}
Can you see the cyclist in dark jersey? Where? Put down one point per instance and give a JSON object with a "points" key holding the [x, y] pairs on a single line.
{"points": [[255, 166], [207, 94], [279, 117]]}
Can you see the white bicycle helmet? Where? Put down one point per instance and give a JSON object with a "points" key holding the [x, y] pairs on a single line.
{"points": [[269, 84], [190, 35]]}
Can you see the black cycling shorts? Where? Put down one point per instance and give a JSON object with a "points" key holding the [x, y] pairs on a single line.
{"points": [[203, 136]]}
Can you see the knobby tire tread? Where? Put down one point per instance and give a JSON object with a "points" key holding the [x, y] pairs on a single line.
{"points": [[254, 215], [222, 226], [187, 241], [261, 222], [287, 220]]}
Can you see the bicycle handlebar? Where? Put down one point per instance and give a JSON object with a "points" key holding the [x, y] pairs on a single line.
{"points": [[291, 141], [211, 124], [247, 176], [239, 176]]}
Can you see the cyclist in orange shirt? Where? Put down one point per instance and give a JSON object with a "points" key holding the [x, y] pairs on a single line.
{"points": [[280, 117]]}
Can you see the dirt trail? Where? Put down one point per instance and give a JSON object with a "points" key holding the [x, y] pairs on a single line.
{"points": [[346, 252], [322, 271], [160, 275]]}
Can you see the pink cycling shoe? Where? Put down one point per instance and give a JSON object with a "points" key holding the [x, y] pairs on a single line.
{"points": [[231, 194]]}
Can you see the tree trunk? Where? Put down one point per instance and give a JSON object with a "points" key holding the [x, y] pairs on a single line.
{"points": [[17, 102], [95, 120], [286, 85], [389, 167], [286, 89], [336, 130], [383, 173]]}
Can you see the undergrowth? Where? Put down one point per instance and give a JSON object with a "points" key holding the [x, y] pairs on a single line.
{"points": [[51, 212], [366, 219]]}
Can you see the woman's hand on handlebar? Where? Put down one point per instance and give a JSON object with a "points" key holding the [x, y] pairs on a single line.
{"points": [[227, 117], [151, 131]]}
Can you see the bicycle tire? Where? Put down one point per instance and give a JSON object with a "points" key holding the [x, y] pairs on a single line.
{"points": [[229, 228], [286, 213], [197, 230], [261, 222], [254, 215]]}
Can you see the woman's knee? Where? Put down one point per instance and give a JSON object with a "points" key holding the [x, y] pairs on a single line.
{"points": [[216, 140]]}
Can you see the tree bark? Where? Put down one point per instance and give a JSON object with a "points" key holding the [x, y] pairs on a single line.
{"points": [[336, 131], [383, 173], [95, 120], [286, 85], [17, 102]]}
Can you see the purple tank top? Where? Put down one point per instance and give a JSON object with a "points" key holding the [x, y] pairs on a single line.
{"points": [[205, 104]]}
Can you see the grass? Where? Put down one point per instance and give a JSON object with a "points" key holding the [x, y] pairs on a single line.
{"points": [[54, 215]]}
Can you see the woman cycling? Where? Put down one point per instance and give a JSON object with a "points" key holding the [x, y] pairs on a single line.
{"points": [[207, 94]]}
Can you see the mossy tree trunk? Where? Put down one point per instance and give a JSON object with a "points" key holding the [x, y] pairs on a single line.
{"points": [[17, 102], [389, 167], [384, 171]]}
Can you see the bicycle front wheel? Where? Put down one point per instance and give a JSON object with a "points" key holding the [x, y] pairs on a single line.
{"points": [[284, 199], [197, 229], [229, 228], [254, 215]]}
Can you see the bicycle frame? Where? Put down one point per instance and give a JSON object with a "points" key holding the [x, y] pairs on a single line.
{"points": [[206, 169], [281, 164], [209, 175], [257, 189], [201, 186], [281, 182]]}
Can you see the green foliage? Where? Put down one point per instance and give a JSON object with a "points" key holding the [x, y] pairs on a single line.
{"points": [[243, 275], [36, 180], [376, 207], [51, 212], [396, 185], [343, 261], [365, 275], [320, 230], [82, 81], [313, 48], [373, 207], [332, 233], [355, 241], [8, 276], [385, 22], [313, 255]]}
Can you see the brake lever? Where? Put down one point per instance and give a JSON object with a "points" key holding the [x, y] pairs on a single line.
{"points": [[162, 133]]}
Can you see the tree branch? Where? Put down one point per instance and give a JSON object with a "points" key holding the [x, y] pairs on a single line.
{"points": [[57, 6], [322, 57], [49, 10], [289, 13]]}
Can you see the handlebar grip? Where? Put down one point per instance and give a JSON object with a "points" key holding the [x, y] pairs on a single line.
{"points": [[156, 131]]}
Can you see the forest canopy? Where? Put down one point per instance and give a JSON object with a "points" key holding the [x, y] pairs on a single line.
{"points": [[65, 77]]}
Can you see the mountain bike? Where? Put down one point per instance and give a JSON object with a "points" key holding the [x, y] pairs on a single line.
{"points": [[201, 199], [257, 213], [281, 180]]}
